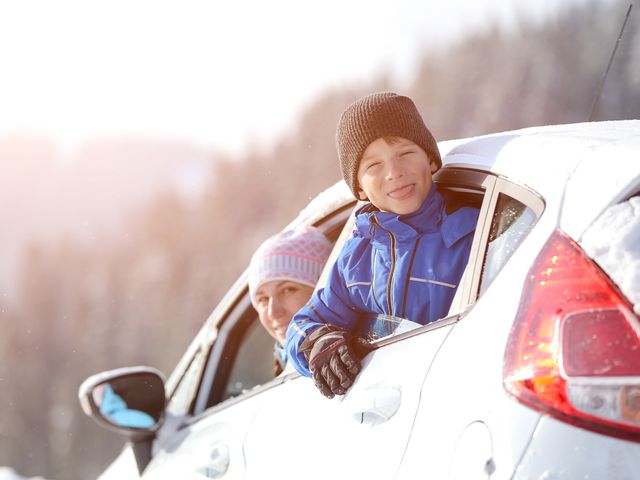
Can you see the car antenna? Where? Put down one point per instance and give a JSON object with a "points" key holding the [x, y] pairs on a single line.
{"points": [[606, 72]]}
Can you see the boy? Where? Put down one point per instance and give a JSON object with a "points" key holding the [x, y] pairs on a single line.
{"points": [[406, 255]]}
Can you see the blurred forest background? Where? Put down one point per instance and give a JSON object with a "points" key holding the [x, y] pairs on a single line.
{"points": [[101, 290]]}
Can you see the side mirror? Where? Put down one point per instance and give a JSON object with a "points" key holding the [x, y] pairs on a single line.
{"points": [[130, 401]]}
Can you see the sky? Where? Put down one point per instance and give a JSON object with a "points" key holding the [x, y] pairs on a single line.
{"points": [[220, 74]]}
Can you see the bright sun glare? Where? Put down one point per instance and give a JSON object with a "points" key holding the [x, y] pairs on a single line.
{"points": [[217, 74]]}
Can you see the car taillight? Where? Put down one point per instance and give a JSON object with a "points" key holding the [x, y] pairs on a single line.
{"points": [[574, 349]]}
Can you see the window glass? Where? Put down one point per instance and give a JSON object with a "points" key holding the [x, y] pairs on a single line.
{"points": [[511, 222], [375, 326], [180, 402], [254, 363]]}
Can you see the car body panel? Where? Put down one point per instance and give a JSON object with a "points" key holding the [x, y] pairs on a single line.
{"points": [[560, 451], [123, 467], [469, 369], [352, 433], [210, 447], [616, 179]]}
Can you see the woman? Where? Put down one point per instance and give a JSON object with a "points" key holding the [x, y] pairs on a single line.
{"points": [[283, 273]]}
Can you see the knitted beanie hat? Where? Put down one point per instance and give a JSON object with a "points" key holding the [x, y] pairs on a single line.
{"points": [[375, 116], [296, 255]]}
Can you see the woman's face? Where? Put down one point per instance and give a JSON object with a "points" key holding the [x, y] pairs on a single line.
{"points": [[278, 301]]}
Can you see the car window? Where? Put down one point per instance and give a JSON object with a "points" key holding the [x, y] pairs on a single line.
{"points": [[511, 222], [374, 327], [507, 214], [254, 363], [460, 188]]}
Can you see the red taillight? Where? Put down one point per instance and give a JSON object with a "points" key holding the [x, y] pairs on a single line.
{"points": [[574, 350]]}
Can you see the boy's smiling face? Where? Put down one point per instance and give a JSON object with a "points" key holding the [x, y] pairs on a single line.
{"points": [[395, 175]]}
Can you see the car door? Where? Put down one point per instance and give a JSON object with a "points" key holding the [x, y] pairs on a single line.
{"points": [[466, 427], [364, 433], [298, 432]]}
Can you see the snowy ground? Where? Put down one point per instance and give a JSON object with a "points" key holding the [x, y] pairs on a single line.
{"points": [[613, 241], [7, 473]]}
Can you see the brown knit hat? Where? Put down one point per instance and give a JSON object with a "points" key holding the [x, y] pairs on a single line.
{"points": [[375, 116]]}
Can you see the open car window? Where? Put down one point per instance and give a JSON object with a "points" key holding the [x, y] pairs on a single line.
{"points": [[507, 214], [254, 363], [460, 188]]}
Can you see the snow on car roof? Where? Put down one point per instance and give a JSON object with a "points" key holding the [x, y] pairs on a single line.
{"points": [[484, 150], [613, 241]]}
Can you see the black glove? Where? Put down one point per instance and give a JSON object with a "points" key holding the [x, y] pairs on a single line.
{"points": [[334, 358]]}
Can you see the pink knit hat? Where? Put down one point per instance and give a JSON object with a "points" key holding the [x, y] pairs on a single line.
{"points": [[296, 255]]}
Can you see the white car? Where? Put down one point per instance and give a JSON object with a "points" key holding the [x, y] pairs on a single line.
{"points": [[535, 373]]}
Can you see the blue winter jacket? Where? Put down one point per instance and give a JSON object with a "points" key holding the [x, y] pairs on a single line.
{"points": [[405, 266]]}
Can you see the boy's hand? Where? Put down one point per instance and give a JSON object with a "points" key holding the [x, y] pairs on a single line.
{"points": [[333, 360]]}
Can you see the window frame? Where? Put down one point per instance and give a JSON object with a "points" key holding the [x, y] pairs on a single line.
{"points": [[473, 180], [520, 193]]}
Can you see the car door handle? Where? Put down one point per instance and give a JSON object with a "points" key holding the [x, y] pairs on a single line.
{"points": [[373, 405], [217, 464]]}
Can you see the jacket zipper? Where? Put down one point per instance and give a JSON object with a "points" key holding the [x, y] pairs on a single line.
{"points": [[373, 280], [374, 223], [406, 287]]}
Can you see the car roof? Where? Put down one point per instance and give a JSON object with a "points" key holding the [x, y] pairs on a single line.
{"points": [[505, 152], [333, 198], [579, 169]]}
